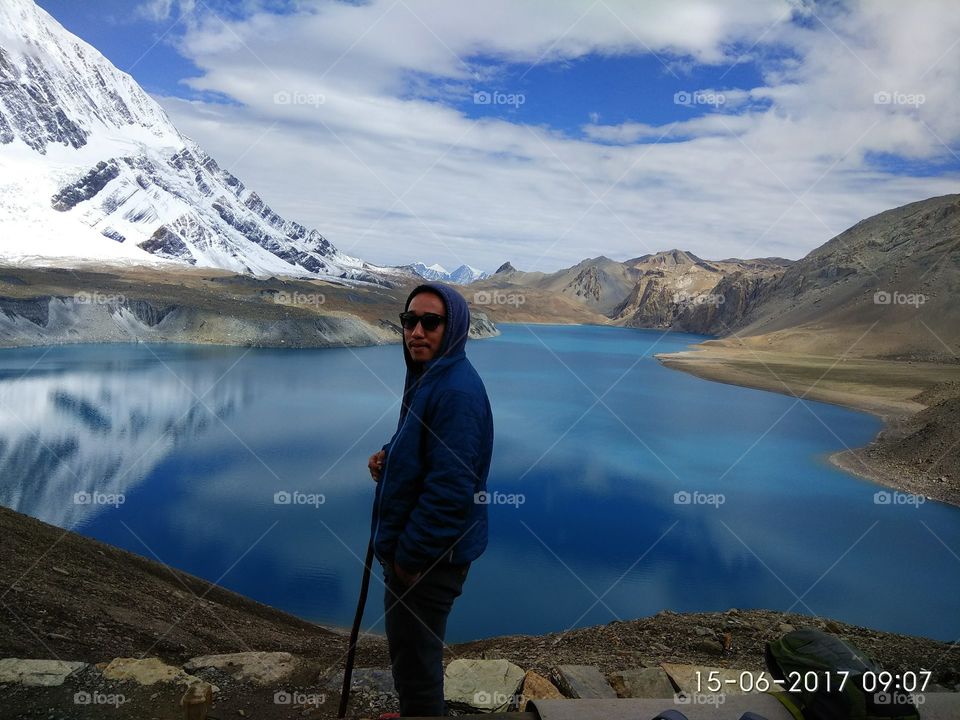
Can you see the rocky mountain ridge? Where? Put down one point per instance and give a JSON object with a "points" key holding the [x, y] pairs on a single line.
{"points": [[658, 290], [894, 277], [883, 288]]}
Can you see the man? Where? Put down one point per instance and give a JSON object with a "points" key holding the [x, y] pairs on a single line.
{"points": [[427, 524]]}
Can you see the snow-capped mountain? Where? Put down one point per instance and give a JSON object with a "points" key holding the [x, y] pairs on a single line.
{"points": [[433, 272], [463, 275], [91, 168]]}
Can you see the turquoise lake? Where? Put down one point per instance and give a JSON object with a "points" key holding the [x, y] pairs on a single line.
{"points": [[634, 488]]}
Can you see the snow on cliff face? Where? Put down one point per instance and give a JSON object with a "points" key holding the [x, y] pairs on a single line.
{"points": [[59, 90], [91, 168], [463, 275]]}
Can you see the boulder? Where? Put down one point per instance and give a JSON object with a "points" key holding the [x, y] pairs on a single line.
{"points": [[537, 687], [642, 683], [483, 685], [37, 673], [259, 668], [145, 671], [582, 682]]}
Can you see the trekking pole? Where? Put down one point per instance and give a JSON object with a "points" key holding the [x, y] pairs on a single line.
{"points": [[355, 632]]}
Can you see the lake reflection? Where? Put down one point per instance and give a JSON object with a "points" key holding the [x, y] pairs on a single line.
{"points": [[593, 435]]}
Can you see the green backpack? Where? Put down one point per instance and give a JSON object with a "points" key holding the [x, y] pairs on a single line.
{"points": [[825, 678]]}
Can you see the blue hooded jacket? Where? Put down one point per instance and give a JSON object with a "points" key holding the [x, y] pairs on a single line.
{"points": [[439, 457]]}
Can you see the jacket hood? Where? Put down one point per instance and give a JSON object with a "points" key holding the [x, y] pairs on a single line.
{"points": [[456, 327], [454, 342]]}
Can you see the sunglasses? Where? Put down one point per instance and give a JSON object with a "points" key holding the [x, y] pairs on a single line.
{"points": [[430, 321]]}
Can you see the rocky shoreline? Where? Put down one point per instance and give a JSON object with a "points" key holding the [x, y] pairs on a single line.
{"points": [[918, 449], [55, 306], [919, 453]]}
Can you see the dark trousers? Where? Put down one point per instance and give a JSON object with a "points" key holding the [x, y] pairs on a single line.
{"points": [[416, 623]]}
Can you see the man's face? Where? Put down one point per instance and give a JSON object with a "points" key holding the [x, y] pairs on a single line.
{"points": [[422, 344]]}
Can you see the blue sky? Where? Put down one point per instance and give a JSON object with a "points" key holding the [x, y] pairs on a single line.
{"points": [[562, 95], [543, 133], [616, 89]]}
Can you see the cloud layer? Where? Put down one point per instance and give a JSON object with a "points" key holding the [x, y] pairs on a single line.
{"points": [[350, 118]]}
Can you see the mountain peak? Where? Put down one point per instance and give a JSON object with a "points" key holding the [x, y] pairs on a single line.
{"points": [[83, 94], [463, 275], [123, 182], [669, 258]]}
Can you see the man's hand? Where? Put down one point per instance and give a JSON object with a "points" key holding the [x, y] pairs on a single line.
{"points": [[375, 464], [406, 578]]}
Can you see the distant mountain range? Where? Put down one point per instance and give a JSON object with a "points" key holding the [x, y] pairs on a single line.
{"points": [[896, 274], [655, 290], [463, 275]]}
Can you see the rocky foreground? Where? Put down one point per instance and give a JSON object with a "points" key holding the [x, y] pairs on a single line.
{"points": [[104, 629]]}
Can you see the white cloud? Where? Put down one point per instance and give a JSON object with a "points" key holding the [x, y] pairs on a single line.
{"points": [[367, 149], [162, 10], [155, 10]]}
